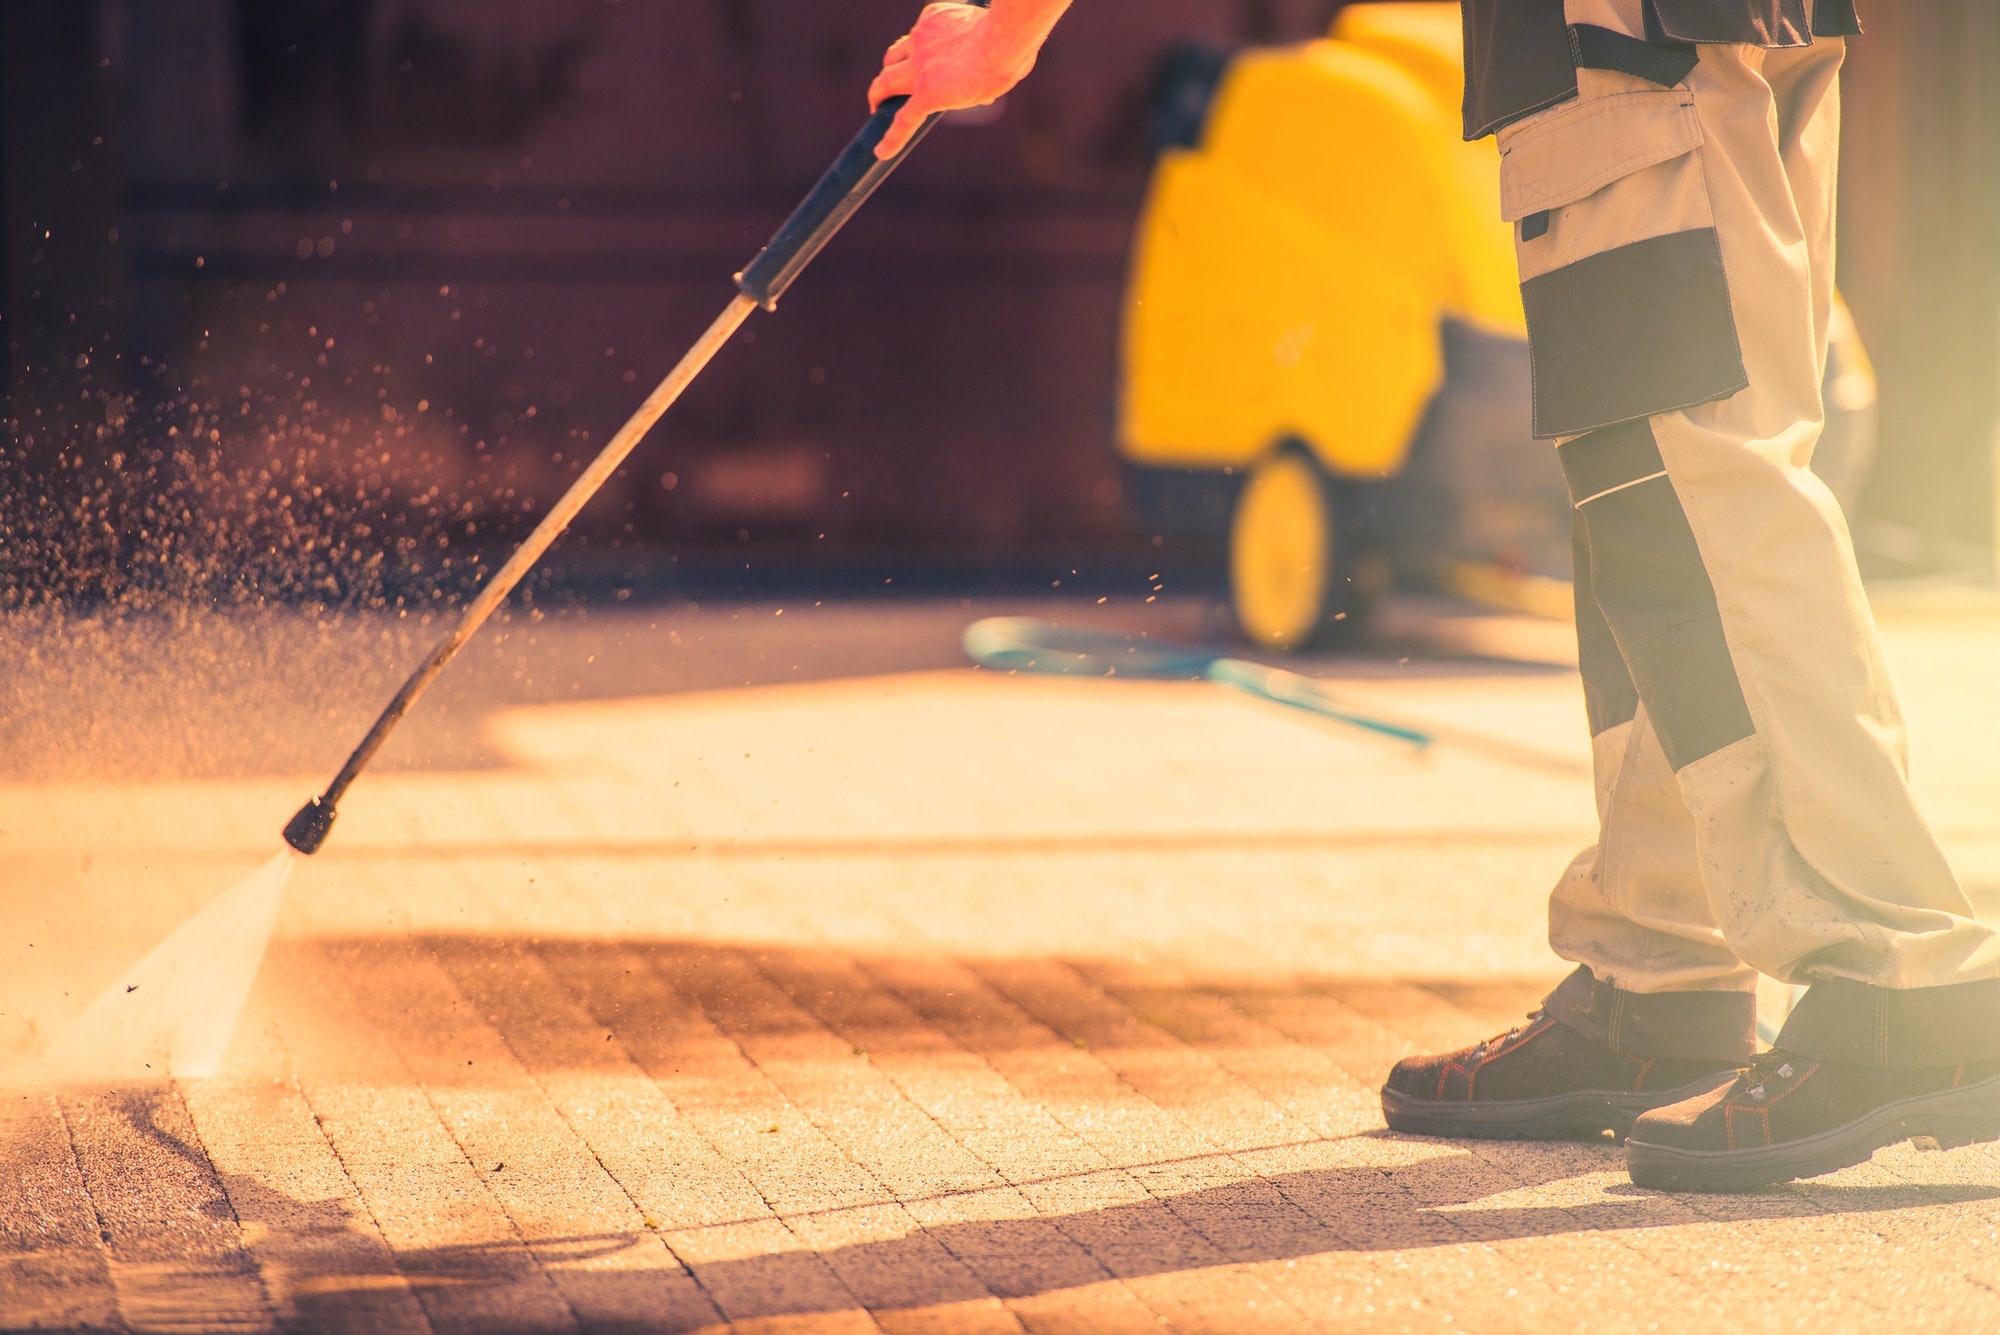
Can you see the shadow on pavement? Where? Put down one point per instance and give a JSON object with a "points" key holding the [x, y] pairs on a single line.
{"points": [[1012, 1259]]}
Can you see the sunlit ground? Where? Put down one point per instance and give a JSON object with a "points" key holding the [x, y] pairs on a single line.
{"points": [[684, 967]]}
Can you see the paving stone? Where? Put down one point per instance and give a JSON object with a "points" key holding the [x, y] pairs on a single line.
{"points": [[582, 1227], [709, 1213], [752, 1261], [176, 1250], [453, 1241], [53, 1268], [1146, 1222], [883, 1253], [322, 1260]]}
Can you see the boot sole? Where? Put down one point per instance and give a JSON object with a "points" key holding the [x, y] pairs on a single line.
{"points": [[1583, 1114], [1952, 1117]]}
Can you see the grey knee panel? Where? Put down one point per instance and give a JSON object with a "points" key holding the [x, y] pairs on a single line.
{"points": [[1609, 697], [1648, 579]]}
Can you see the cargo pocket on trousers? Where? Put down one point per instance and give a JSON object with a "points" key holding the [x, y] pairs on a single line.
{"points": [[1621, 266]]}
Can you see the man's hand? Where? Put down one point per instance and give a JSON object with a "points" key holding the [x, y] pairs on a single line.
{"points": [[959, 55]]}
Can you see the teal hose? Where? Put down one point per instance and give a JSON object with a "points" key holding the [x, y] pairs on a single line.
{"points": [[1023, 644]]}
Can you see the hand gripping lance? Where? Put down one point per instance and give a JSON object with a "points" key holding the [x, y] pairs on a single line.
{"points": [[845, 187]]}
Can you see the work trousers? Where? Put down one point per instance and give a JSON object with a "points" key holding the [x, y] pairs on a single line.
{"points": [[1676, 250]]}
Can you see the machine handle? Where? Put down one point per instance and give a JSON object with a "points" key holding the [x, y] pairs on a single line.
{"points": [[845, 188]]}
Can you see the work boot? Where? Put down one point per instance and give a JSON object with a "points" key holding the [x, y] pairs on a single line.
{"points": [[1787, 1116], [1542, 1081]]}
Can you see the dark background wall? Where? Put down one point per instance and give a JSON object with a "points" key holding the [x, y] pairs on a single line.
{"points": [[482, 228], [426, 254]]}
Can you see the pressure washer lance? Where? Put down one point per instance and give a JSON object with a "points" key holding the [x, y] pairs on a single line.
{"points": [[845, 187]]}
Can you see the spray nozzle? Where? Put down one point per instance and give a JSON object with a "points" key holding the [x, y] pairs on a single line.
{"points": [[308, 829]]}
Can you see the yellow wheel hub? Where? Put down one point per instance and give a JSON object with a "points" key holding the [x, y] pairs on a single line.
{"points": [[1281, 553]]}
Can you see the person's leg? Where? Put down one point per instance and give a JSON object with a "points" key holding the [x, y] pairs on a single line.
{"points": [[1724, 570], [1676, 257], [1657, 982], [1659, 1006]]}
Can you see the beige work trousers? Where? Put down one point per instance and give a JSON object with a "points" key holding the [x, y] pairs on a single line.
{"points": [[1676, 251]]}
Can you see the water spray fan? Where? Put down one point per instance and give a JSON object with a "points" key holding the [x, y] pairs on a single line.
{"points": [[844, 188]]}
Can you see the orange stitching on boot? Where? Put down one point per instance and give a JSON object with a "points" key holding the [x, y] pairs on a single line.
{"points": [[1765, 1109], [1472, 1076], [1958, 1075], [1445, 1074], [1810, 1073], [1729, 1122], [1640, 1083]]}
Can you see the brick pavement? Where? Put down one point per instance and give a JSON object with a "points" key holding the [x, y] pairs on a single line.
{"points": [[912, 999]]}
